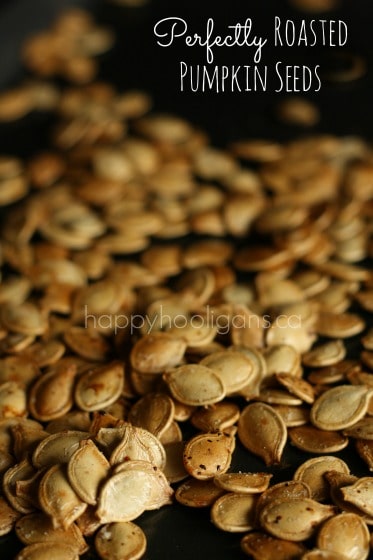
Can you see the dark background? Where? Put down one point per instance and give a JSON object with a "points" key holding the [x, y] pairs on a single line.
{"points": [[136, 62]]}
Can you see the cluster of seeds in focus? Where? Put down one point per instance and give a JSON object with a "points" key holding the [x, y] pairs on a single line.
{"points": [[149, 281]]}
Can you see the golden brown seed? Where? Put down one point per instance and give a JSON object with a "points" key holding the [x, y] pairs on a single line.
{"points": [[235, 369], [45, 354], [216, 417], [283, 491], [298, 110], [153, 412], [243, 483], [156, 352], [261, 546], [51, 396], [100, 387], [138, 444], [57, 448], [198, 493], [332, 374], [86, 470], [24, 318], [340, 407], [263, 432], [295, 519], [196, 334], [12, 400], [161, 492], [44, 551], [37, 527], [172, 434], [367, 340], [278, 396], [311, 439], [74, 420], [298, 387], [124, 496], [292, 415], [207, 455], [290, 330], [327, 354], [361, 430], [8, 517], [174, 469], [345, 534], [19, 472], [234, 512], [282, 359], [87, 344], [52, 486], [360, 494], [25, 439], [125, 540], [195, 385], [339, 326], [311, 472]]}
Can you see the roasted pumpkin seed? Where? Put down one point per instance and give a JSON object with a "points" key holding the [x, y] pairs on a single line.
{"points": [[120, 540], [234, 512], [63, 512], [340, 407], [295, 519], [345, 534], [207, 454], [263, 432], [261, 546]]}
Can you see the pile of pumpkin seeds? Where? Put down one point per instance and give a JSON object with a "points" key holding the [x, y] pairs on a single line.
{"points": [[150, 282]]}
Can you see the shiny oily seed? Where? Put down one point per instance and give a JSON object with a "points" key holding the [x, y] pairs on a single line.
{"points": [[361, 430], [296, 386], [198, 493], [57, 448], [153, 412], [263, 432], [364, 448], [124, 496], [207, 455], [37, 527], [311, 472], [8, 517], [261, 546], [313, 440], [45, 551], [63, 512], [87, 459], [295, 519], [360, 494], [340, 407], [52, 394], [120, 541], [235, 369], [195, 384], [347, 535], [326, 354], [138, 444], [154, 353], [234, 512], [161, 493], [100, 387], [292, 415], [243, 483], [216, 417]]}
